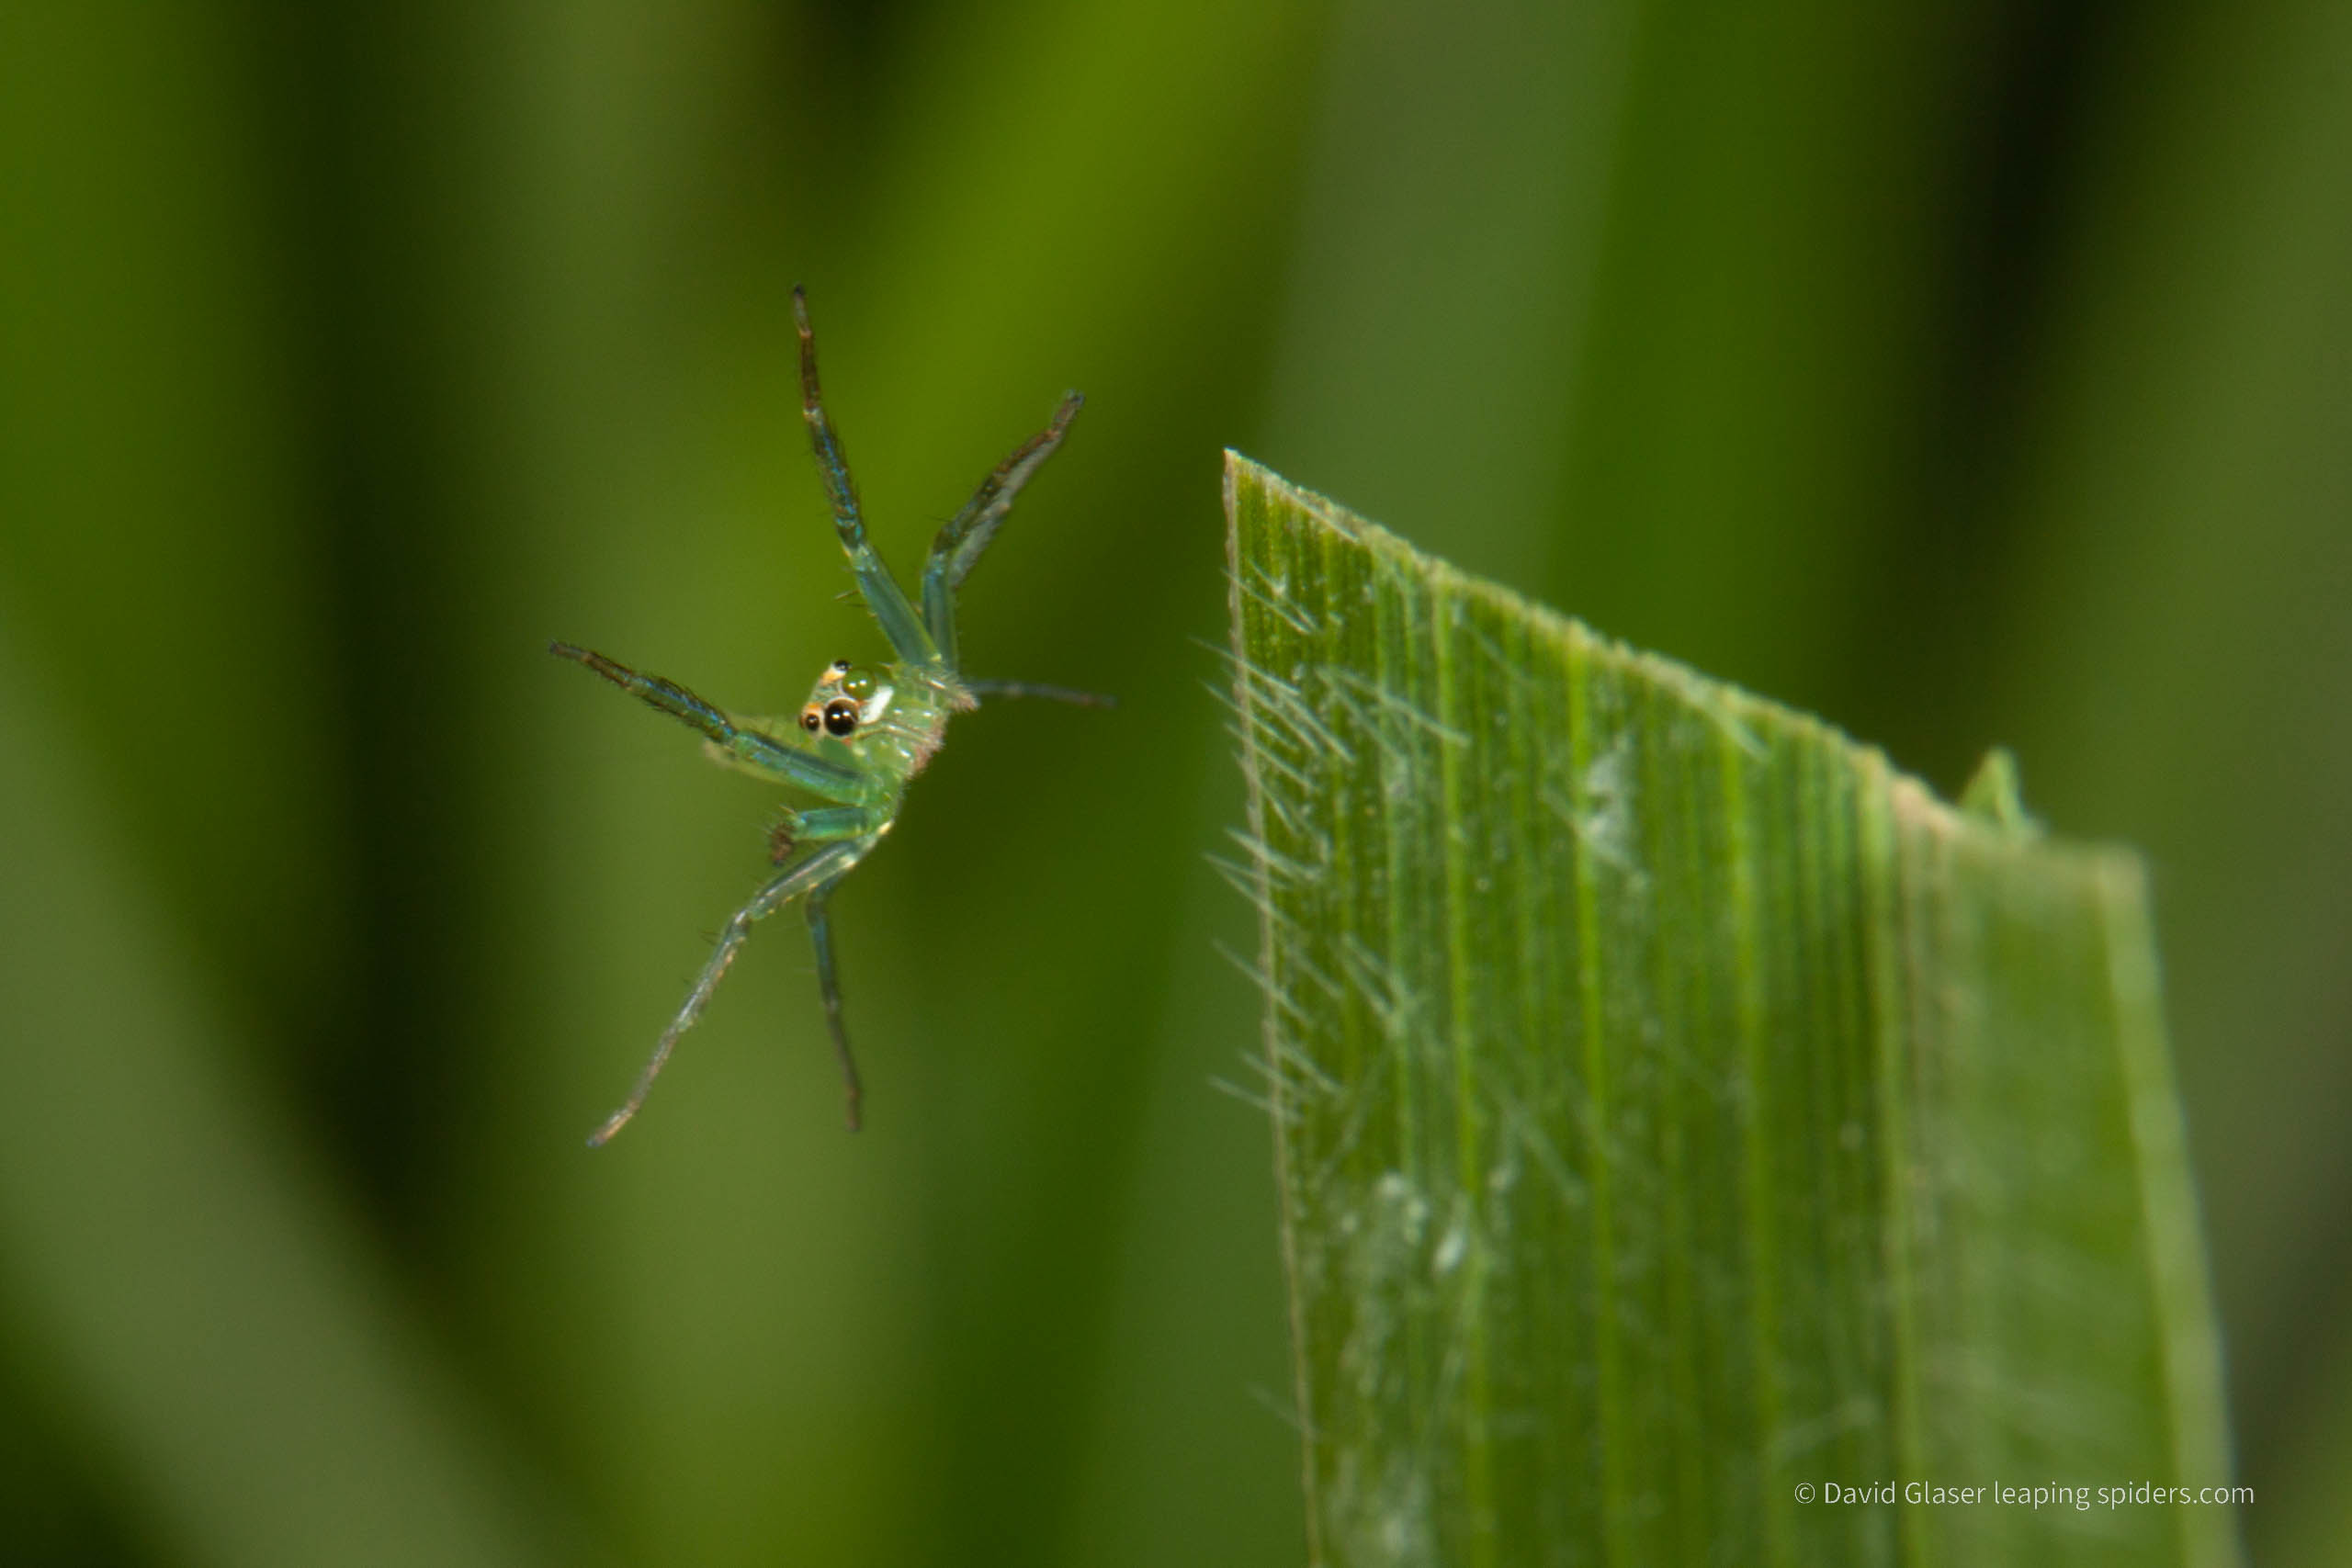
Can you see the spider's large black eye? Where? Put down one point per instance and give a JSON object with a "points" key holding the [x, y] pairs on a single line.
{"points": [[840, 716]]}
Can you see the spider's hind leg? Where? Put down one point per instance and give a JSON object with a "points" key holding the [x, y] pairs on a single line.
{"points": [[818, 872], [820, 933]]}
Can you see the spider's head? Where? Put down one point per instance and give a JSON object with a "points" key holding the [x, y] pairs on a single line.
{"points": [[846, 698]]}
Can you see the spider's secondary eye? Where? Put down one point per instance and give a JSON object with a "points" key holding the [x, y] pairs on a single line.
{"points": [[841, 666], [808, 720], [840, 716]]}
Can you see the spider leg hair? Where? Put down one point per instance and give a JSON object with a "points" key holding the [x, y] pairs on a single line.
{"points": [[820, 775], [966, 534], [883, 595], [820, 870], [984, 689]]}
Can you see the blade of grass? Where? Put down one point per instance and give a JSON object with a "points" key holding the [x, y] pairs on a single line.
{"points": [[1676, 1108]]}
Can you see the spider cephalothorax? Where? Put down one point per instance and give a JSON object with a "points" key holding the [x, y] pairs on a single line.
{"points": [[846, 697], [864, 732]]}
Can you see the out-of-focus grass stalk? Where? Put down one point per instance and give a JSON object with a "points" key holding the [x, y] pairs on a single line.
{"points": [[261, 1393]]}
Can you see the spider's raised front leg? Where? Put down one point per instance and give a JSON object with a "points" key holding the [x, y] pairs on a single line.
{"points": [[967, 534], [820, 775], [883, 595], [812, 875]]}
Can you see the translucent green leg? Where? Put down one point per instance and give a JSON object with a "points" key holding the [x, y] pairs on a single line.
{"points": [[820, 933], [883, 594], [968, 532], [820, 871], [835, 781], [798, 829]]}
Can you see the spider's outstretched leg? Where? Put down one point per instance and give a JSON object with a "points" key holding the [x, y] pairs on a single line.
{"points": [[984, 689], [821, 775], [820, 870], [883, 594], [820, 932], [967, 534]]}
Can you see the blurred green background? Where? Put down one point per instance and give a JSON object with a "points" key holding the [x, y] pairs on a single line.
{"points": [[1964, 372]]}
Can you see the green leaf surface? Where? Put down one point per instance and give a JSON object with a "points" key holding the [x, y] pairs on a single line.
{"points": [[1678, 1108]]}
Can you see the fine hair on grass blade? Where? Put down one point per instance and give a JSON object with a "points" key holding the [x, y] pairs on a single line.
{"points": [[1685, 1122]]}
